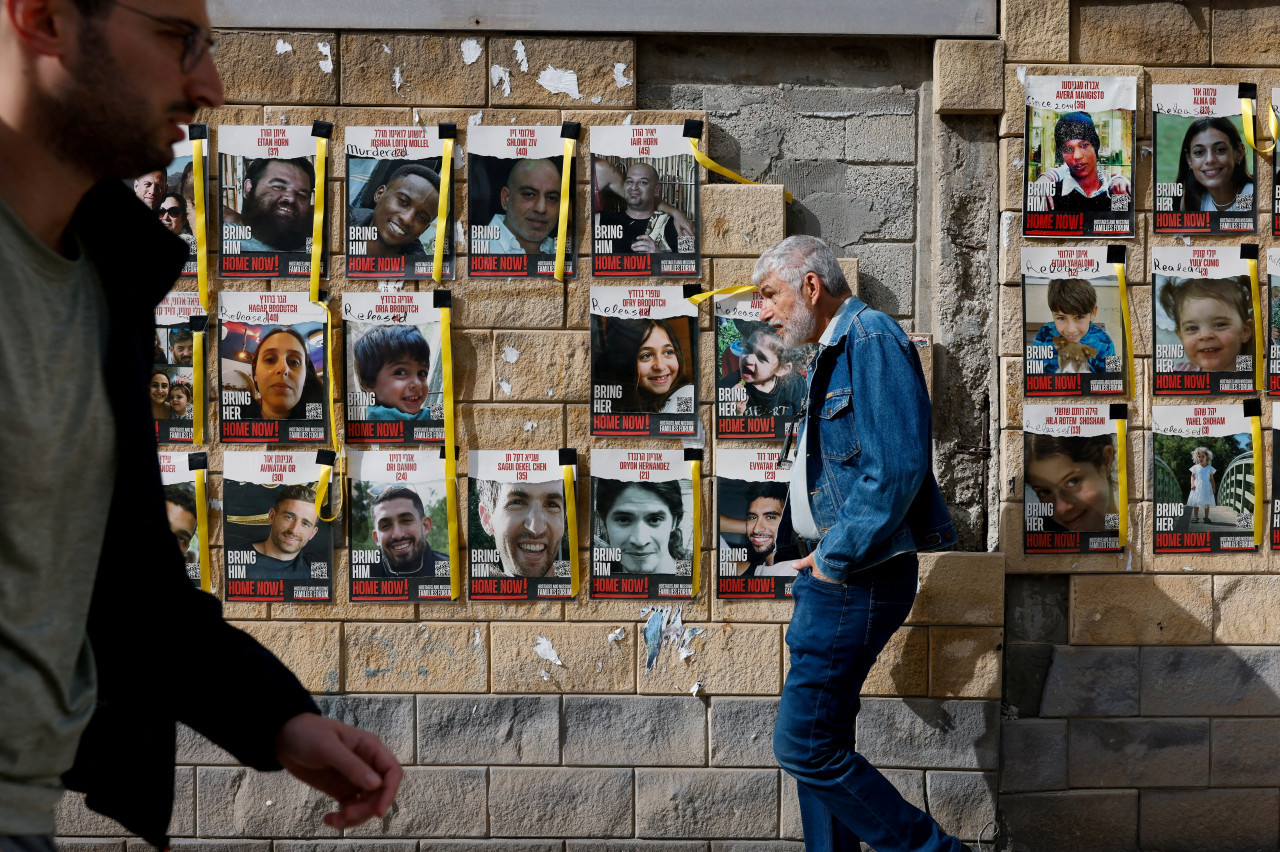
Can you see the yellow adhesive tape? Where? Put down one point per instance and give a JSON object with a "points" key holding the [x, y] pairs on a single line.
{"points": [[1246, 108], [442, 212], [197, 388], [202, 238], [721, 170], [1122, 465], [450, 452], [1259, 501], [566, 195], [1259, 352], [1128, 327], [699, 298], [317, 222], [202, 530], [695, 469], [571, 518]]}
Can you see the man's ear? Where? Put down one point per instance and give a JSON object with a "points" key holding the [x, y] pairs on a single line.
{"points": [[426, 524], [378, 193], [505, 198], [247, 188], [485, 523], [42, 26], [811, 288]]}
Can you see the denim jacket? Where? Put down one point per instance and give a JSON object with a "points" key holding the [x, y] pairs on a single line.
{"points": [[869, 453]]}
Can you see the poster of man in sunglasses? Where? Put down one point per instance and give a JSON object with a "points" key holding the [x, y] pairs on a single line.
{"points": [[171, 194]]}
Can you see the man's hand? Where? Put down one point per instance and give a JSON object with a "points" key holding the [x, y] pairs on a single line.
{"points": [[644, 244], [351, 765]]}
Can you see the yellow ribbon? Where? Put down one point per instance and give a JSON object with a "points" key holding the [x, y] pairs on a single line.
{"points": [[1128, 328], [1259, 366], [339, 460], [566, 201], [1122, 461], [695, 469], [571, 518], [442, 212], [1246, 107], [450, 449], [699, 298], [202, 239], [197, 388], [1259, 504], [202, 530], [721, 170], [317, 221]]}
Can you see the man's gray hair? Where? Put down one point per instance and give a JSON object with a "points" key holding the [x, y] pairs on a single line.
{"points": [[795, 257]]}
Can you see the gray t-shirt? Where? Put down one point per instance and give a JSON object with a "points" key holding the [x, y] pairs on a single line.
{"points": [[57, 454]]}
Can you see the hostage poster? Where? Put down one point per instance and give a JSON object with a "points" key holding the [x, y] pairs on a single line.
{"points": [[186, 516], [1071, 479], [751, 501], [1079, 155], [393, 202], [273, 385], [644, 365], [171, 385], [642, 535], [518, 541], [1273, 324], [513, 193], [394, 367], [276, 544], [644, 202], [170, 193], [760, 383], [266, 190], [399, 526]]}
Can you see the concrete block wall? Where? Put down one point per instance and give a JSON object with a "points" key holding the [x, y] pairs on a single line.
{"points": [[601, 755]]}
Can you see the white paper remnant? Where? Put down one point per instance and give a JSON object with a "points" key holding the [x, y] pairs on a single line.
{"points": [[394, 286], [560, 81], [471, 51], [619, 79], [396, 79], [499, 75], [326, 64], [510, 354], [619, 634], [505, 385], [474, 120], [521, 59], [696, 686], [530, 425], [544, 674], [544, 649], [283, 46]]}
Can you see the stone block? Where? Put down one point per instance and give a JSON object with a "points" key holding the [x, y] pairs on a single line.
{"points": [[416, 658], [413, 69], [959, 588], [541, 366], [1209, 820], [1036, 30], [740, 220], [311, 650], [1036, 609], [433, 802], [762, 611], [591, 663], [886, 276], [756, 846], [1138, 753], [1143, 610], [963, 803], [1026, 668], [1085, 681], [194, 748], [472, 365], [741, 731], [279, 67], [636, 846], [964, 662], [1246, 610], [706, 802], [587, 802], [96, 844], [1237, 681], [1033, 755], [489, 846], [1076, 821], [379, 845], [73, 818], [389, 716], [1012, 172], [202, 845], [902, 668], [928, 733], [1242, 753], [488, 729], [888, 139], [871, 203], [968, 76], [239, 802], [1163, 32], [1011, 465], [1244, 34], [542, 71], [729, 659], [634, 731], [511, 427]]}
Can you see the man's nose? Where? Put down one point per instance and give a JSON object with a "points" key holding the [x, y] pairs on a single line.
{"points": [[536, 521]]}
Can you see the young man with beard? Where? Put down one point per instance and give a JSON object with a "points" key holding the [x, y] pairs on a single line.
{"points": [[95, 668], [294, 522], [277, 204], [526, 520], [403, 209], [400, 528], [644, 229], [765, 504]]}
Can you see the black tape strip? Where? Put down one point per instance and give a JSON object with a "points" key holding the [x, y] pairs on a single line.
{"points": [[571, 130], [442, 298], [322, 128], [197, 131], [692, 454], [324, 295], [1117, 254], [1249, 251], [1119, 411], [691, 290], [326, 457], [198, 323], [1253, 407], [568, 455], [1248, 90], [197, 461], [693, 128], [447, 130]]}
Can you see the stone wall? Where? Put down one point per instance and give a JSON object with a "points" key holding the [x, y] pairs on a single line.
{"points": [[603, 756]]}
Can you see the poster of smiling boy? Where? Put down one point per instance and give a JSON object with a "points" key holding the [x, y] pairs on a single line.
{"points": [[642, 534], [760, 384], [751, 502], [1071, 479], [394, 368], [1204, 324]]}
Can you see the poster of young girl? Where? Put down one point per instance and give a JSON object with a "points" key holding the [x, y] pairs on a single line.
{"points": [[185, 514], [1204, 178], [644, 202], [1079, 154], [395, 376], [751, 501], [266, 192], [1071, 479], [277, 545], [1073, 331], [518, 542], [513, 197], [644, 362], [399, 527], [642, 535], [393, 201], [170, 193], [1204, 340], [171, 385], [760, 384], [1202, 474], [272, 351]]}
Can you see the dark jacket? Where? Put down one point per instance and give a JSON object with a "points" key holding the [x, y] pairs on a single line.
{"points": [[162, 650]]}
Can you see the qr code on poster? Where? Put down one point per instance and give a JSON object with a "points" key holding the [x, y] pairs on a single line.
{"points": [[1244, 520], [1119, 203], [1244, 363], [315, 410], [319, 570], [1113, 364], [685, 245], [684, 405]]}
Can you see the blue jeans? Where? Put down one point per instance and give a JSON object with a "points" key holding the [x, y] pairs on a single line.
{"points": [[835, 634]]}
